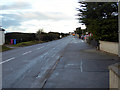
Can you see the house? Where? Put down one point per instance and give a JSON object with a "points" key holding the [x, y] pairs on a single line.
{"points": [[2, 36]]}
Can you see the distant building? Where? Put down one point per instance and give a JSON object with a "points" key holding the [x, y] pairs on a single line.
{"points": [[2, 36]]}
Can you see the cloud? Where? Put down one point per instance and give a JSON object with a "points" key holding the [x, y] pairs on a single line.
{"points": [[16, 6], [16, 19], [9, 20], [29, 15]]}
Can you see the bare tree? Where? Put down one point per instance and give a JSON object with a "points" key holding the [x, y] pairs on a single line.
{"points": [[38, 34]]}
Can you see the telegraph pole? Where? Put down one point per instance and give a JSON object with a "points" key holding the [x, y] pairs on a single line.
{"points": [[119, 28]]}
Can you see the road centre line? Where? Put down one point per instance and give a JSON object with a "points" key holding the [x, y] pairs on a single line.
{"points": [[81, 66], [40, 47], [53, 55], [53, 48], [82, 41], [26, 52], [44, 54], [7, 60]]}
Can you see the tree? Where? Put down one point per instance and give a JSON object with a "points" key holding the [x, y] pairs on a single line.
{"points": [[100, 18], [79, 31], [38, 34]]}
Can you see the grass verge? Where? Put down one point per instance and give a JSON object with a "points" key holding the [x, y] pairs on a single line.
{"points": [[4, 48], [22, 44]]}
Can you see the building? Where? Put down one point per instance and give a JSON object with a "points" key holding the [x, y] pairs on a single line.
{"points": [[2, 36]]}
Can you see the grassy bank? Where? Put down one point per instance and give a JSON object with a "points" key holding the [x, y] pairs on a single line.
{"points": [[22, 44], [4, 48]]}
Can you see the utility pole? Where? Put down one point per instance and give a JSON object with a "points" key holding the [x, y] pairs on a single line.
{"points": [[119, 28]]}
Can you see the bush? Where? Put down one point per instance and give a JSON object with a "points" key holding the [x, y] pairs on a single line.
{"points": [[48, 37]]}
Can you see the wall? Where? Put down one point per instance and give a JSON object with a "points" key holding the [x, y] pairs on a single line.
{"points": [[2, 38], [111, 47], [114, 76]]}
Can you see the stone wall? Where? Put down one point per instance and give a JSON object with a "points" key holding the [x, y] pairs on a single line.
{"points": [[114, 76], [111, 47]]}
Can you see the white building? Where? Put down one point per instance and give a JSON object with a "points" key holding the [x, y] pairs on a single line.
{"points": [[2, 36]]}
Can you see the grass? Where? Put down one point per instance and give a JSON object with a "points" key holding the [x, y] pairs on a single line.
{"points": [[4, 48], [22, 44]]}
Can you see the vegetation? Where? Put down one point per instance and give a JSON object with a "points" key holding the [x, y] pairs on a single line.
{"points": [[22, 44], [42, 36], [26, 39], [39, 33], [100, 18], [20, 37], [4, 48], [78, 31]]}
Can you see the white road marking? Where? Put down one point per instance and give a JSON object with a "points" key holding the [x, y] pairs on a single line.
{"points": [[53, 55], [53, 48], [44, 54], [26, 52], [75, 42], [40, 47], [7, 60], [82, 41], [81, 66]]}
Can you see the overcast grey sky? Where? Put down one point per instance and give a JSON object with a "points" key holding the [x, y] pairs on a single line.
{"points": [[31, 15]]}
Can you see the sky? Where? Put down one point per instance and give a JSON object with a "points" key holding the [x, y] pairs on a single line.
{"points": [[31, 15]]}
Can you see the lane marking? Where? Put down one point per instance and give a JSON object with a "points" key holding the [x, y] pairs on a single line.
{"points": [[7, 60], [53, 55], [44, 54], [81, 66], [26, 52], [40, 47], [82, 41], [75, 42], [54, 48]]}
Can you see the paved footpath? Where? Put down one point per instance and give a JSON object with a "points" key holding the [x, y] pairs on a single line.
{"points": [[81, 66]]}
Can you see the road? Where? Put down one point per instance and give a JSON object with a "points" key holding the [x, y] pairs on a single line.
{"points": [[65, 63], [27, 67]]}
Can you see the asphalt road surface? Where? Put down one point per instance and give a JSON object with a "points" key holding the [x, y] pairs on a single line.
{"points": [[65, 63], [28, 67]]}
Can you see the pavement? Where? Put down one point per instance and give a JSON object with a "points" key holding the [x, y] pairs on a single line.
{"points": [[65, 63], [81, 66]]}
